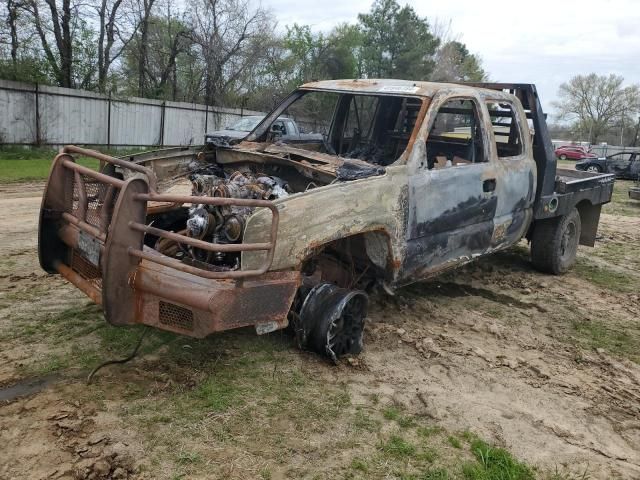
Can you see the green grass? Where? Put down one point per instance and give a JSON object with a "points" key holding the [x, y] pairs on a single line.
{"points": [[429, 431], [620, 203], [397, 447], [395, 414], [79, 338], [605, 278], [32, 170], [24, 164], [619, 253], [359, 464], [494, 464], [615, 339], [435, 474], [454, 442]]}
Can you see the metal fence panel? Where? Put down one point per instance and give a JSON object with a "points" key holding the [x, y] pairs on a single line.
{"points": [[81, 116], [35, 114], [17, 113], [136, 123], [184, 123]]}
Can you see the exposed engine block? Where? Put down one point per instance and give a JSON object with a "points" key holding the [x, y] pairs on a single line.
{"points": [[225, 224]]}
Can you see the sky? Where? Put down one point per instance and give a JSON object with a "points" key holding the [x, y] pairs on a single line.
{"points": [[545, 42]]}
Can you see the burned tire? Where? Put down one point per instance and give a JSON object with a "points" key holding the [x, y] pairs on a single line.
{"points": [[554, 243], [331, 320]]}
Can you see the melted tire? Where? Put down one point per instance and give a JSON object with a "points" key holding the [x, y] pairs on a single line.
{"points": [[554, 243], [331, 321]]}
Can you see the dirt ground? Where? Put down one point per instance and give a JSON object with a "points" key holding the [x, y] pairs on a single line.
{"points": [[545, 367]]}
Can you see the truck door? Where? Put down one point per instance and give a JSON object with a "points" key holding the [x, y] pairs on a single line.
{"points": [[511, 152], [452, 194], [620, 164]]}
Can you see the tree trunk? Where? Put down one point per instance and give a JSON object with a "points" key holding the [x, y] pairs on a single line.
{"points": [[102, 74], [62, 32], [66, 50], [12, 20], [143, 47]]}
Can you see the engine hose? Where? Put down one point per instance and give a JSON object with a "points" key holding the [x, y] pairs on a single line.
{"points": [[120, 361]]}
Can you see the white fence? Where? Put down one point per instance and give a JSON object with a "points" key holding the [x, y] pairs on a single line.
{"points": [[42, 115]]}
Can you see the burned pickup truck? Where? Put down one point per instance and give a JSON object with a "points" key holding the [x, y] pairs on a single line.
{"points": [[410, 179]]}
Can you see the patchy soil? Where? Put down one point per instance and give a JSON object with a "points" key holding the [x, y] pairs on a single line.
{"points": [[544, 367]]}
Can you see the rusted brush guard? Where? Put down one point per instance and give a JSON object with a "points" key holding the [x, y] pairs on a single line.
{"points": [[92, 228]]}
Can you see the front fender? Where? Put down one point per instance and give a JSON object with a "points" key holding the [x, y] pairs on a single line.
{"points": [[316, 217]]}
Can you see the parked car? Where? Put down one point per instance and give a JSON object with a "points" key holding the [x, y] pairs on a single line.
{"points": [[622, 165], [574, 152], [286, 129]]}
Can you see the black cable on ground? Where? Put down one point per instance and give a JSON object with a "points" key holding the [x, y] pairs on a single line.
{"points": [[123, 360]]}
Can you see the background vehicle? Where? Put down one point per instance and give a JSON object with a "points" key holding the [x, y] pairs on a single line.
{"points": [[622, 165], [411, 179], [572, 152], [287, 129]]}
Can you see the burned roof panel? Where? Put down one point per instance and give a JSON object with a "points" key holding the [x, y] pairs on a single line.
{"points": [[390, 86]]}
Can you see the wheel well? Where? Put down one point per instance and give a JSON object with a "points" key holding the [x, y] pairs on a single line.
{"points": [[589, 218], [355, 261]]}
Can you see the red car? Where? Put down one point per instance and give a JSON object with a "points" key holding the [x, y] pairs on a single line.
{"points": [[574, 152]]}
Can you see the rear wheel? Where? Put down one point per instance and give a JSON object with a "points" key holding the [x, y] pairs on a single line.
{"points": [[563, 156], [593, 169], [554, 243]]}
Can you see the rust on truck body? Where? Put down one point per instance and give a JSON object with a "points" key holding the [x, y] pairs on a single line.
{"points": [[264, 226], [108, 262]]}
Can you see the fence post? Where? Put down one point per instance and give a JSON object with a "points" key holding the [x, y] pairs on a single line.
{"points": [[162, 109], [109, 121], [38, 132], [206, 118]]}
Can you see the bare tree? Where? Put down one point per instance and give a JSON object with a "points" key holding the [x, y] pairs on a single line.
{"points": [[597, 103], [170, 35], [12, 23], [58, 20], [144, 9], [227, 33], [113, 36]]}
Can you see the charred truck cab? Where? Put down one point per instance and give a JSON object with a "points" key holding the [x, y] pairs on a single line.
{"points": [[400, 181]]}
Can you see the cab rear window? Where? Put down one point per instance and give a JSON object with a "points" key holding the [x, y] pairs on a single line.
{"points": [[506, 130]]}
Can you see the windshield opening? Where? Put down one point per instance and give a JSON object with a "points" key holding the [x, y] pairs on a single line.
{"points": [[246, 124], [373, 128]]}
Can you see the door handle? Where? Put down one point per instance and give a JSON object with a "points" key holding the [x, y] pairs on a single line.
{"points": [[489, 185]]}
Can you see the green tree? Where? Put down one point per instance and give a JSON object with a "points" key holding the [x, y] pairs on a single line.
{"points": [[454, 62], [396, 42], [315, 56], [343, 57]]}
